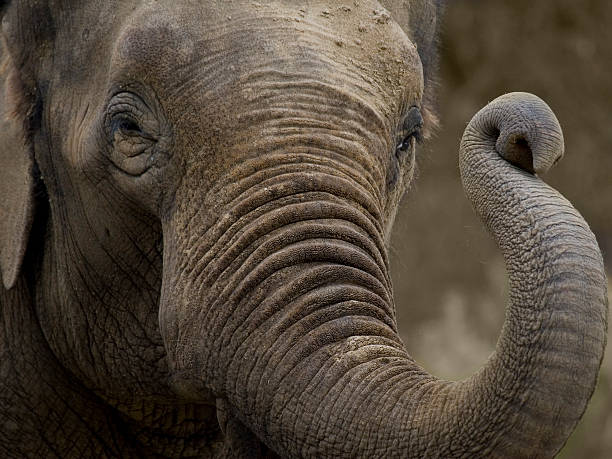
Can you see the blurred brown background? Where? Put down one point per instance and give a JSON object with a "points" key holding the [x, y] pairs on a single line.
{"points": [[449, 277]]}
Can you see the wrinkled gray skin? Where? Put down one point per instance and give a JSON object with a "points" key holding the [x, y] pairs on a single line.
{"points": [[195, 201]]}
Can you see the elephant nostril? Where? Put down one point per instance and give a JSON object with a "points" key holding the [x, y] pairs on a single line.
{"points": [[518, 152], [526, 132]]}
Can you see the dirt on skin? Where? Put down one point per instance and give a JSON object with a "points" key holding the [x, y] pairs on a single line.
{"points": [[449, 277]]}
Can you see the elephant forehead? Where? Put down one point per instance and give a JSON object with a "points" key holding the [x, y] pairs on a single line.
{"points": [[162, 42]]}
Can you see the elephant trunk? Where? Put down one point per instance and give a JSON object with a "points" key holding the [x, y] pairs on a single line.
{"points": [[285, 309], [545, 366]]}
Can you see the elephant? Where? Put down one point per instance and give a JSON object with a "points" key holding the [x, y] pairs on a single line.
{"points": [[196, 204]]}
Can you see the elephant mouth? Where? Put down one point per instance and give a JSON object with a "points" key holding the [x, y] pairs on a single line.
{"points": [[172, 427]]}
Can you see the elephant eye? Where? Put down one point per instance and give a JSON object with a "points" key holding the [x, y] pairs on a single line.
{"points": [[412, 129], [128, 137], [128, 115], [126, 126], [132, 132]]}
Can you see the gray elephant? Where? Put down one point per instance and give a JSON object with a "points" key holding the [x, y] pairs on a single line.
{"points": [[196, 199]]}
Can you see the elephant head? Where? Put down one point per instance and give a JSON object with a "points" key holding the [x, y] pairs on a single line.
{"points": [[196, 201]]}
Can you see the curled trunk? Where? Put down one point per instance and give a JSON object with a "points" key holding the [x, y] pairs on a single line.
{"points": [[307, 355]]}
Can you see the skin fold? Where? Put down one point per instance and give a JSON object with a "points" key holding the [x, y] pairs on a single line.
{"points": [[196, 202]]}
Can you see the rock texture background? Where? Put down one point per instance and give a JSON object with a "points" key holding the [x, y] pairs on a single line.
{"points": [[449, 277]]}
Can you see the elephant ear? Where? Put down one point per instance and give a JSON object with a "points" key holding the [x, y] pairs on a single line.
{"points": [[421, 20], [16, 172], [425, 19]]}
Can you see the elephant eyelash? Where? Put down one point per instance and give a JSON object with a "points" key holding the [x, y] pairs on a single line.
{"points": [[412, 128], [418, 137]]}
